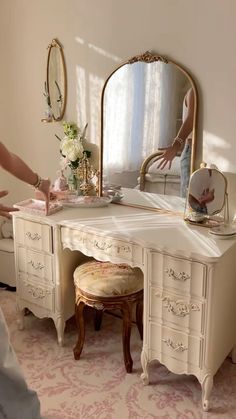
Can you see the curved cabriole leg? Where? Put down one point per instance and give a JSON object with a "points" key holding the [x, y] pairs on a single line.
{"points": [[79, 316], [98, 319], [144, 363], [20, 317], [233, 355], [60, 327], [127, 323], [139, 318], [207, 385]]}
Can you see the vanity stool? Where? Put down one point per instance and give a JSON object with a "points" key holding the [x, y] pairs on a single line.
{"points": [[108, 286]]}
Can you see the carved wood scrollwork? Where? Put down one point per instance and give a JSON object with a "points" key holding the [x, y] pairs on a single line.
{"points": [[177, 347], [33, 236], [178, 307], [36, 292], [180, 276], [36, 266]]}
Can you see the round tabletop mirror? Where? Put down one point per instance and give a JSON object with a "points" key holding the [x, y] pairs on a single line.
{"points": [[207, 191]]}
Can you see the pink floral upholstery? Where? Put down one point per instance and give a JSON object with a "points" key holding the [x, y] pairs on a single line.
{"points": [[107, 279]]}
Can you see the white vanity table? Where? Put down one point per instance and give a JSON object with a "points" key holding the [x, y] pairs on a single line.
{"points": [[189, 279]]}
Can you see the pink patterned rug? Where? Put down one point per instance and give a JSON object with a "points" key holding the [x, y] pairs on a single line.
{"points": [[97, 385]]}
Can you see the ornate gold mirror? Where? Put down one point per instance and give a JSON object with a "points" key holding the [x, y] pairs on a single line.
{"points": [[55, 86], [144, 104]]}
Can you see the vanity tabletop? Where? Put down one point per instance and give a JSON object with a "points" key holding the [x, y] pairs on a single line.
{"points": [[161, 231]]}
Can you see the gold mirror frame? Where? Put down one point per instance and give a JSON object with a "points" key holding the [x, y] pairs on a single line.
{"points": [[60, 86], [149, 57]]}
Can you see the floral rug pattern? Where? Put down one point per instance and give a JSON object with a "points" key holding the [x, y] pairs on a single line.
{"points": [[97, 386]]}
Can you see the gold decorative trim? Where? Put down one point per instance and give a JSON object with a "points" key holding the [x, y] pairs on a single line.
{"points": [[148, 57]]}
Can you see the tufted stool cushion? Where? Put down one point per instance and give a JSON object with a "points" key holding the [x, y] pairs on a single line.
{"points": [[105, 279], [108, 286]]}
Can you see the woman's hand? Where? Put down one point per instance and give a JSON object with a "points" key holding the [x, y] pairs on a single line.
{"points": [[4, 211], [44, 188], [167, 156]]}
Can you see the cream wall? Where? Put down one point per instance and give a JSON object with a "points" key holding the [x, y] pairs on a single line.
{"points": [[96, 36]]}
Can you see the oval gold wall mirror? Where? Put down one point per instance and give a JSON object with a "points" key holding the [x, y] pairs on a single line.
{"points": [[144, 104], [56, 89]]}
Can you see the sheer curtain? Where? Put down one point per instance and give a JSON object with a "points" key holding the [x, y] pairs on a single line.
{"points": [[141, 107]]}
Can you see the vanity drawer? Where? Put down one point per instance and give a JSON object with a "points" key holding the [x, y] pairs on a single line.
{"points": [[179, 310], [181, 275], [34, 235], [174, 344], [100, 247], [39, 265], [31, 291]]}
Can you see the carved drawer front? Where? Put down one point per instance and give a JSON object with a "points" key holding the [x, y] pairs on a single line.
{"points": [[39, 265], [31, 291], [179, 310], [34, 235], [181, 275], [92, 245], [175, 344]]}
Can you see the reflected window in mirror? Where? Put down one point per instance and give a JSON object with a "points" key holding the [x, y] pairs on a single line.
{"points": [[142, 112]]}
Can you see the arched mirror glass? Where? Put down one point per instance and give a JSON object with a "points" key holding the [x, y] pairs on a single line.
{"points": [[144, 104], [56, 80]]}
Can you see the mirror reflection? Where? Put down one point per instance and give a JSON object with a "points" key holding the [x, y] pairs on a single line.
{"points": [[207, 191], [144, 104], [56, 80]]}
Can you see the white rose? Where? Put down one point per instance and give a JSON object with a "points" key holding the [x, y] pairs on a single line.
{"points": [[72, 149]]}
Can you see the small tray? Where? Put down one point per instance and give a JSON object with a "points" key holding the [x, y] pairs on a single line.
{"points": [[86, 201], [36, 206]]}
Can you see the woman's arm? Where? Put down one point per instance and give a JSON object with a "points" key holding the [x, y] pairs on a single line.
{"points": [[18, 168], [182, 135]]}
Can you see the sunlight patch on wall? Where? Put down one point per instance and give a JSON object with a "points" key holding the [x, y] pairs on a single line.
{"points": [[88, 102], [81, 96], [95, 91], [79, 40], [214, 150], [104, 53]]}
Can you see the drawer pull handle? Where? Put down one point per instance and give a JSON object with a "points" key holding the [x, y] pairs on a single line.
{"points": [[178, 307], [33, 236], [36, 266], [181, 276], [177, 347]]}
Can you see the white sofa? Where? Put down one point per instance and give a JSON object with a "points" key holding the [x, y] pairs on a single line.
{"points": [[7, 261]]}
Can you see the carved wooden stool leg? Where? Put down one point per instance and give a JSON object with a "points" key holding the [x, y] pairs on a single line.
{"points": [[127, 323], [79, 316], [139, 318], [98, 319]]}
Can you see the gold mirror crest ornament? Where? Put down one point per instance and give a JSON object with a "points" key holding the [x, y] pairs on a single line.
{"points": [[55, 87]]}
